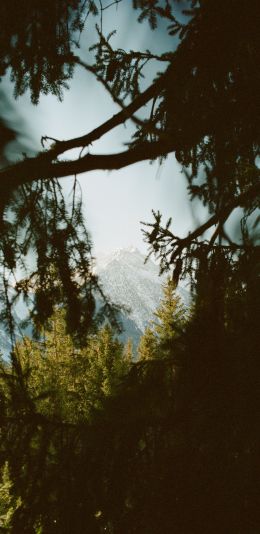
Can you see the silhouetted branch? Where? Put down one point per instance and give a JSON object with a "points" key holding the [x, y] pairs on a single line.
{"points": [[170, 246], [106, 85], [40, 167], [217, 219]]}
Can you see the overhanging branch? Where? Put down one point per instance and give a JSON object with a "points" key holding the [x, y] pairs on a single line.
{"points": [[116, 99], [170, 247], [45, 164], [117, 119], [37, 168], [217, 219]]}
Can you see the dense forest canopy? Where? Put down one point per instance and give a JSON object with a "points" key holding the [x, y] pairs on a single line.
{"points": [[167, 443]]}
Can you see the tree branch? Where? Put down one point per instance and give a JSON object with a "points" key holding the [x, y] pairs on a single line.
{"points": [[105, 84], [44, 166], [119, 118], [217, 219], [41, 168]]}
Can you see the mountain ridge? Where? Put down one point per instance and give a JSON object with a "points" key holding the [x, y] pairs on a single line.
{"points": [[129, 281]]}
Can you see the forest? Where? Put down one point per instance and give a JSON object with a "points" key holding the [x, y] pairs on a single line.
{"points": [[95, 436]]}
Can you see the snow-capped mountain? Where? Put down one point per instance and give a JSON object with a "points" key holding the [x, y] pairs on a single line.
{"points": [[131, 282]]}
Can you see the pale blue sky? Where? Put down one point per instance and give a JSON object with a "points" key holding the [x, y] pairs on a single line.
{"points": [[114, 202]]}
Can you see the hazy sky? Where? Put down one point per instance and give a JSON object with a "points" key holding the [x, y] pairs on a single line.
{"points": [[114, 202]]}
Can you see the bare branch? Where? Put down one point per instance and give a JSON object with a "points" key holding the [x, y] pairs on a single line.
{"points": [[116, 2]]}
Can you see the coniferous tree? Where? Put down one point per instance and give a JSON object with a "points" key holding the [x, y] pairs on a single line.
{"points": [[106, 365], [69, 382], [55, 398], [170, 318], [148, 345], [191, 100], [8, 503], [165, 446], [128, 351]]}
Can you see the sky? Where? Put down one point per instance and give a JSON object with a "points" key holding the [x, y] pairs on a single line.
{"points": [[114, 202]]}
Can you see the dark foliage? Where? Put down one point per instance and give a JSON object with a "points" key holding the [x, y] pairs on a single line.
{"points": [[176, 450], [36, 43], [180, 434]]}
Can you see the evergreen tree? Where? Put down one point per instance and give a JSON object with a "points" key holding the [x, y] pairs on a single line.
{"points": [[148, 346], [128, 351], [170, 318], [106, 366], [70, 383], [8, 503], [163, 455], [54, 399], [192, 99]]}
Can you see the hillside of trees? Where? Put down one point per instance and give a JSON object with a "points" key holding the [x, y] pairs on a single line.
{"points": [[92, 440], [95, 440]]}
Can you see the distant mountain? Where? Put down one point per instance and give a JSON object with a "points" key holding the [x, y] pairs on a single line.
{"points": [[129, 282], [134, 284]]}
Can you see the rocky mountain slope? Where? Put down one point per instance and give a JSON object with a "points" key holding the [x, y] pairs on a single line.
{"points": [[130, 283]]}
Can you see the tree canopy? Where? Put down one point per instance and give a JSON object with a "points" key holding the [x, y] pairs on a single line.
{"points": [[211, 74], [150, 449]]}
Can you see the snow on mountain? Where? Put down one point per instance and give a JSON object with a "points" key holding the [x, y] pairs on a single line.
{"points": [[131, 282]]}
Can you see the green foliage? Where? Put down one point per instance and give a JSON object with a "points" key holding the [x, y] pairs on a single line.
{"points": [[67, 383], [129, 447], [94, 441], [39, 221], [128, 351], [148, 346], [170, 318], [8, 503], [54, 401], [107, 365]]}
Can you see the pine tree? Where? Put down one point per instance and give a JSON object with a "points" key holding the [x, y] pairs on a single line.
{"points": [[8, 503], [70, 383], [107, 364], [148, 346], [55, 401], [128, 351], [170, 319]]}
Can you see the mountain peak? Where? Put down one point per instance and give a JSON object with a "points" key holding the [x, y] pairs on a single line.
{"points": [[131, 282], [130, 256]]}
